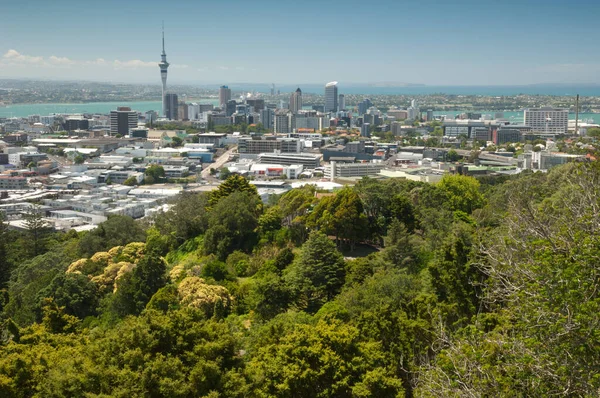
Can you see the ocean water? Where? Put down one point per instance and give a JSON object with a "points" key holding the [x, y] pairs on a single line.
{"points": [[24, 110]]}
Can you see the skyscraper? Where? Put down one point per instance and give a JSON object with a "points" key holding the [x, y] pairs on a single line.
{"points": [[296, 101], [171, 106], [364, 106], [341, 102], [122, 120], [331, 97], [224, 96], [163, 65]]}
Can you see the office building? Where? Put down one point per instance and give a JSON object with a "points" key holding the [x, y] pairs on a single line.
{"points": [[430, 115], [193, 111], [349, 170], [257, 104], [282, 122], [224, 96], [217, 119], [164, 65], [172, 106], [296, 101], [267, 118], [205, 108], [398, 114], [182, 111], [331, 97], [547, 120], [230, 107], [466, 128], [76, 123], [309, 161], [341, 102], [364, 130], [256, 145], [122, 121], [506, 134], [364, 106], [151, 116]]}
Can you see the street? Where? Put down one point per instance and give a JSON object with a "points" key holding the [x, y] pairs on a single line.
{"points": [[217, 164]]}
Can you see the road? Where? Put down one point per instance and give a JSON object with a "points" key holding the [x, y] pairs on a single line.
{"points": [[217, 164], [60, 160]]}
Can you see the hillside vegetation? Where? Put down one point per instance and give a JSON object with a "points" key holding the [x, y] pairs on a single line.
{"points": [[473, 288]]}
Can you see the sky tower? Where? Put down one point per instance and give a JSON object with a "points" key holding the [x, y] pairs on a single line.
{"points": [[164, 65]]}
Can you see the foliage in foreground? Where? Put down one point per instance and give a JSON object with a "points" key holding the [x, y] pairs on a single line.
{"points": [[470, 290]]}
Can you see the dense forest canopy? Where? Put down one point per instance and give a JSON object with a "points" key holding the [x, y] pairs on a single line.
{"points": [[390, 288]]}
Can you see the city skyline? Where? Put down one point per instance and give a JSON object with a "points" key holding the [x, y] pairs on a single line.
{"points": [[464, 43]]}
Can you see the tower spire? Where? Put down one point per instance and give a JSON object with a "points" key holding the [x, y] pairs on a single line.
{"points": [[163, 36]]}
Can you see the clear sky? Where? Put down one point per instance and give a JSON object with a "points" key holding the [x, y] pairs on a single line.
{"points": [[502, 42]]}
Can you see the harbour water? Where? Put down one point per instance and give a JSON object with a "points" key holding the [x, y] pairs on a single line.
{"points": [[24, 110]]}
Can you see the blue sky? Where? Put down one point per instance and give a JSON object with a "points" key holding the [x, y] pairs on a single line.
{"points": [[455, 43]]}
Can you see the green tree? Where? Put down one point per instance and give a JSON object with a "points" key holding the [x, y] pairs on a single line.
{"points": [[79, 159], [232, 224], [307, 362], [224, 173], [176, 142], [75, 293], [37, 228], [135, 289], [318, 273], [116, 231], [593, 132], [234, 183], [341, 215], [131, 181], [5, 263], [453, 156], [155, 172], [462, 192], [31, 277], [186, 219]]}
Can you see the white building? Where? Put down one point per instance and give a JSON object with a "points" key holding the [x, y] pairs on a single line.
{"points": [[291, 172], [547, 120], [346, 170], [193, 111], [331, 97]]}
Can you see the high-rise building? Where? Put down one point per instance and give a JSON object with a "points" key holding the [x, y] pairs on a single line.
{"points": [[182, 111], [364, 130], [296, 101], [331, 97], [122, 120], [257, 103], [429, 115], [341, 102], [151, 116], [193, 111], [364, 106], [224, 96], [171, 106], [266, 118], [163, 65], [547, 120], [230, 107]]}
